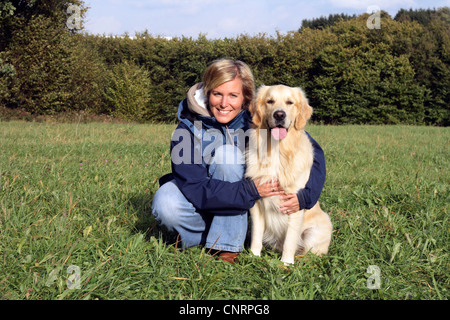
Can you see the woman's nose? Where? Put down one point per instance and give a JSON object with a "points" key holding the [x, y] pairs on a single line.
{"points": [[224, 102]]}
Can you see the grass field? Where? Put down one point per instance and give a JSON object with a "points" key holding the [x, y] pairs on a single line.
{"points": [[75, 207]]}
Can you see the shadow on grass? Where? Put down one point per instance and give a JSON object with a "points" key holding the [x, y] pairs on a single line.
{"points": [[146, 223]]}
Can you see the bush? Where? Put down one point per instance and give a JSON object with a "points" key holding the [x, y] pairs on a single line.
{"points": [[88, 78], [7, 73], [128, 91]]}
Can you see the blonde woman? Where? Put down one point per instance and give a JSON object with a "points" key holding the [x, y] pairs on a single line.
{"points": [[206, 197]]}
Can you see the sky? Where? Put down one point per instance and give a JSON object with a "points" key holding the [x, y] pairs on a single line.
{"points": [[225, 18]]}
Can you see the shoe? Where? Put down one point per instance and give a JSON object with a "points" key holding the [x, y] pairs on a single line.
{"points": [[227, 256]]}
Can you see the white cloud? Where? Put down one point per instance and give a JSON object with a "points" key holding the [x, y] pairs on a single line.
{"points": [[364, 4]]}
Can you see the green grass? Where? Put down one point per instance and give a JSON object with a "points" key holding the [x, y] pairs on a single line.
{"points": [[80, 195]]}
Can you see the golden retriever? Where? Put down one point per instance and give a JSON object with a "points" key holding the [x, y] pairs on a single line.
{"points": [[280, 149]]}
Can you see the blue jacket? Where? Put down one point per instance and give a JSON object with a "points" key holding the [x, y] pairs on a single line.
{"points": [[221, 197]]}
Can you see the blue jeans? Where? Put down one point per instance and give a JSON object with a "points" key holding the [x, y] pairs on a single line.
{"points": [[219, 232]]}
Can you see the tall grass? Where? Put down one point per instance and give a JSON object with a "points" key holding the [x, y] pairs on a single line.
{"points": [[75, 219]]}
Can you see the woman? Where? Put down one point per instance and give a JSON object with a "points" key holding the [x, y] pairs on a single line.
{"points": [[206, 197]]}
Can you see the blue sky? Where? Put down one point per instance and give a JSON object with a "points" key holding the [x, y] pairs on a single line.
{"points": [[224, 18]]}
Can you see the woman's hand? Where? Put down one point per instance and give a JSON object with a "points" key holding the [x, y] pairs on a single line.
{"points": [[268, 189], [289, 203]]}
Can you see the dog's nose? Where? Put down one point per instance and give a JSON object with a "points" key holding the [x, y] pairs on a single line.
{"points": [[279, 115]]}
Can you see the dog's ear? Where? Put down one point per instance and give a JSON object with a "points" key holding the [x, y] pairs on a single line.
{"points": [[255, 106], [256, 114], [305, 110]]}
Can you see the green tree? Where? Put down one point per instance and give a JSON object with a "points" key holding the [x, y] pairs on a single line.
{"points": [[323, 22], [428, 48], [46, 67], [16, 14], [423, 16], [40, 55]]}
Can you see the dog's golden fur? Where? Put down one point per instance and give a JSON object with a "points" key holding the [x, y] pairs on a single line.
{"points": [[289, 160]]}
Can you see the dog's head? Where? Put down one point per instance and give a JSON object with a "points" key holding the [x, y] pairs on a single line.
{"points": [[280, 109]]}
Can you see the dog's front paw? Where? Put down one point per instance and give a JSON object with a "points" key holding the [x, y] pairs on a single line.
{"points": [[256, 251], [287, 261]]}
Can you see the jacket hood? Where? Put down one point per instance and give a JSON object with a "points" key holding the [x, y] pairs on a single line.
{"points": [[197, 101]]}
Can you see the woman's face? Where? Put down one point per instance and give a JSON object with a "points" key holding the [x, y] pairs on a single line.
{"points": [[225, 101]]}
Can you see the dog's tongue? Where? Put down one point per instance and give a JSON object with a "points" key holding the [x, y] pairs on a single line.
{"points": [[279, 133]]}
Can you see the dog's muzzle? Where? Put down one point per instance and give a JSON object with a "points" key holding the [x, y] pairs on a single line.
{"points": [[279, 132]]}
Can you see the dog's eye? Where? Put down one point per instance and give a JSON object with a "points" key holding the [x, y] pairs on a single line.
{"points": [[289, 102], [270, 101]]}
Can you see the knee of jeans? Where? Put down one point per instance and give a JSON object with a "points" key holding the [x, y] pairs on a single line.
{"points": [[228, 164], [230, 173], [164, 208]]}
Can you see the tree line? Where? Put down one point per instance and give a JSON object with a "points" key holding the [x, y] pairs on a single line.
{"points": [[352, 74]]}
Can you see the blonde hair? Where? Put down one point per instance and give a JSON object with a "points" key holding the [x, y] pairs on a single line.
{"points": [[224, 70]]}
